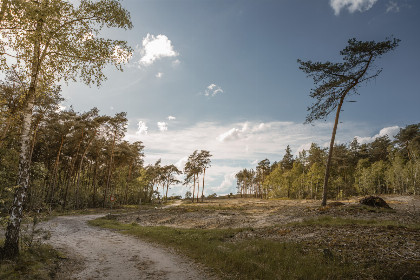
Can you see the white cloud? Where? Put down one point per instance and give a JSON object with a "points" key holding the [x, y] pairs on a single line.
{"points": [[141, 128], [392, 7], [305, 147], [246, 130], [171, 118], [176, 62], [390, 131], [159, 75], [163, 126], [351, 5], [213, 90], [154, 48], [226, 186], [246, 143]]}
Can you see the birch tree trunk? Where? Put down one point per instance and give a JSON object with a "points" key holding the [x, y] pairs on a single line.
{"points": [[11, 244]]}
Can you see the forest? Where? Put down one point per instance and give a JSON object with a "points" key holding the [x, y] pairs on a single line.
{"points": [[383, 166], [78, 160]]}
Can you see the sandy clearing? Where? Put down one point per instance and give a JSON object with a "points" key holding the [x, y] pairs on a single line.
{"points": [[109, 255]]}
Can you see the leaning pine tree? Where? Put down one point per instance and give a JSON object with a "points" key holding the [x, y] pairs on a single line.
{"points": [[45, 42], [336, 81]]}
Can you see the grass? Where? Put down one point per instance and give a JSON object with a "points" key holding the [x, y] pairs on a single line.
{"points": [[245, 259], [39, 262], [338, 221]]}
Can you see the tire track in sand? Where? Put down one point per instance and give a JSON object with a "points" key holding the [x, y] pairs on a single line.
{"points": [[109, 255]]}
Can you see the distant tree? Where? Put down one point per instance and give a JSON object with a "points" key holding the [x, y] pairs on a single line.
{"points": [[192, 169], [204, 162], [262, 170], [169, 177], [408, 139], [287, 161], [336, 81]]}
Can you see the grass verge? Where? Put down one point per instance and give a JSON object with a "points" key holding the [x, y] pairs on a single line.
{"points": [[39, 262], [245, 259]]}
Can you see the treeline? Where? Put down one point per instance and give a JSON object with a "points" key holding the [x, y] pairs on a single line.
{"points": [[380, 167], [80, 160], [77, 159]]}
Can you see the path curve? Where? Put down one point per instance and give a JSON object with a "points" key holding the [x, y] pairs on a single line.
{"points": [[109, 255]]}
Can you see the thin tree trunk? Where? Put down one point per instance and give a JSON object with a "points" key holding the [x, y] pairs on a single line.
{"points": [[80, 169], [327, 169], [55, 171], [202, 188], [193, 190], [108, 180]]}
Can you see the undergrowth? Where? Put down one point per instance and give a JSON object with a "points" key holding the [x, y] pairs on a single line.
{"points": [[37, 262]]}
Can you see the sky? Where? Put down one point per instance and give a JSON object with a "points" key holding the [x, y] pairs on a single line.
{"points": [[222, 75]]}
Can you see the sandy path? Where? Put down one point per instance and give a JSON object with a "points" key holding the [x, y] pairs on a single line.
{"points": [[109, 255]]}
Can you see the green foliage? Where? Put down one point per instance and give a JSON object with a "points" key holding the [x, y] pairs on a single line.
{"points": [[335, 80]]}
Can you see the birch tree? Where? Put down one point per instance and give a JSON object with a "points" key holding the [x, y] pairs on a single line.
{"points": [[50, 41]]}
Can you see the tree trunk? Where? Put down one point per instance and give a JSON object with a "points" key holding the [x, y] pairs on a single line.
{"points": [[193, 190], [11, 244], [80, 169], [108, 180], [202, 188], [55, 171], [327, 169], [198, 187]]}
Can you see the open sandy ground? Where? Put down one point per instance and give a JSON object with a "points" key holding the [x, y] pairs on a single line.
{"points": [[96, 253], [104, 254]]}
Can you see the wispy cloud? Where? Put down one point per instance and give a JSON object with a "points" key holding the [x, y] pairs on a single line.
{"points": [[351, 5], [247, 129], [176, 62], [159, 75], [163, 126], [392, 6], [171, 118], [154, 48], [213, 90]]}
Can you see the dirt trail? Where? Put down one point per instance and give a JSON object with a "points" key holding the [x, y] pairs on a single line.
{"points": [[109, 255]]}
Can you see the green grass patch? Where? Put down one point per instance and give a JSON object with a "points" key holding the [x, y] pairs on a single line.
{"points": [[244, 259], [338, 221], [40, 262]]}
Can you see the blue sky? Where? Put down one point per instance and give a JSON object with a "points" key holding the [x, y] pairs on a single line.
{"points": [[222, 75]]}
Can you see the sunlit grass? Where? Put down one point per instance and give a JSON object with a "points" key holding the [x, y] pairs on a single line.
{"points": [[245, 259]]}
